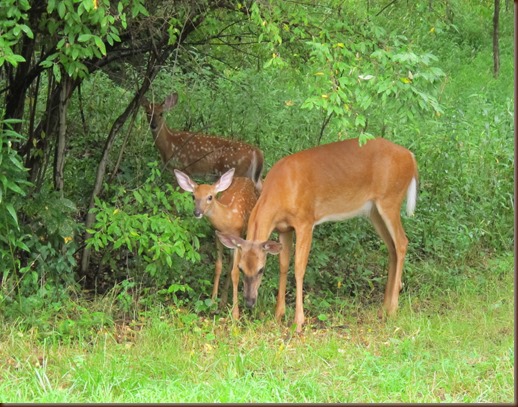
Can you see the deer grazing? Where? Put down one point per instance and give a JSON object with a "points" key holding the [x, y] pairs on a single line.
{"points": [[327, 183], [228, 214], [198, 154]]}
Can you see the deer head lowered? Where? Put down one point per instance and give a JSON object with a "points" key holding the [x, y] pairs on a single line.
{"points": [[197, 154], [229, 214], [327, 183]]}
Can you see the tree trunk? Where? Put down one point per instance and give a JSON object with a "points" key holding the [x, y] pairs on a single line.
{"points": [[496, 49], [59, 157]]}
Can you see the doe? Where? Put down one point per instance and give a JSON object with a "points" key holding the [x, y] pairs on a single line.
{"points": [[327, 183]]}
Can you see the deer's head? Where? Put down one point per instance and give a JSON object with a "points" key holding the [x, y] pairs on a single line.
{"points": [[205, 194], [155, 111], [252, 262]]}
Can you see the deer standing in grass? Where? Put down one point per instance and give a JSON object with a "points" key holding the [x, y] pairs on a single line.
{"points": [[197, 154], [227, 213], [327, 183]]}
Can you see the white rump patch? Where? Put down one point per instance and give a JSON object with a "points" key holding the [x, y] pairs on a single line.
{"points": [[411, 197]]}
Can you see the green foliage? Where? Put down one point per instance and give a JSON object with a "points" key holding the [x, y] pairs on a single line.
{"points": [[146, 224], [37, 243], [44, 271], [81, 31], [13, 26], [53, 231], [361, 78], [13, 186]]}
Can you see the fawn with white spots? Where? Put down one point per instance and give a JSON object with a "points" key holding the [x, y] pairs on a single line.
{"points": [[198, 154], [227, 213]]}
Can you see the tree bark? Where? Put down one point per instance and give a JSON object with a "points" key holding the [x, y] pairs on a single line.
{"points": [[59, 157]]}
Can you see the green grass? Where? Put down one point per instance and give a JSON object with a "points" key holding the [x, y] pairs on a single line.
{"points": [[454, 345]]}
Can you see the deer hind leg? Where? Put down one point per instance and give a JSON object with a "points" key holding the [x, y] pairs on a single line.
{"points": [[387, 222], [286, 239]]}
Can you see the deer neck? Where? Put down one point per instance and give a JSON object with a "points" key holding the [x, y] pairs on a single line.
{"points": [[165, 140], [261, 223], [219, 215]]}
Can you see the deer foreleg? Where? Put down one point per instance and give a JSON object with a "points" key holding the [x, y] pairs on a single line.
{"points": [[235, 283], [302, 248], [284, 263], [217, 272]]}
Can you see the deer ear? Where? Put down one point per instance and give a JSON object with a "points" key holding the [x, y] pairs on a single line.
{"points": [[184, 181], [170, 101], [230, 241], [271, 247], [225, 181]]}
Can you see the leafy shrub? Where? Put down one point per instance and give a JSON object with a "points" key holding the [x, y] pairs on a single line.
{"points": [[145, 229], [13, 186]]}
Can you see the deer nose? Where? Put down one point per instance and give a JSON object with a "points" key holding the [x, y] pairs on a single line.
{"points": [[250, 302], [198, 214]]}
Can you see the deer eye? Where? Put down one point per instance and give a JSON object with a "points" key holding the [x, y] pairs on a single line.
{"points": [[261, 271], [209, 198]]}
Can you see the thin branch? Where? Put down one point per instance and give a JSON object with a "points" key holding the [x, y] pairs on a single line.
{"points": [[386, 7]]}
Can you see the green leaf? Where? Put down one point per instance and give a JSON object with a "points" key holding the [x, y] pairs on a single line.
{"points": [[12, 212], [61, 9], [100, 44], [84, 37], [57, 72], [138, 197]]}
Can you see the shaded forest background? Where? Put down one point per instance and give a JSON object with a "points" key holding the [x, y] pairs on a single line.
{"points": [[86, 206]]}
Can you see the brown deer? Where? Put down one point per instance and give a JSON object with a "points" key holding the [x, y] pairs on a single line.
{"points": [[327, 183], [197, 154], [227, 213]]}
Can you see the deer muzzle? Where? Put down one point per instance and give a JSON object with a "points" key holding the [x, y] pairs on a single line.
{"points": [[250, 286]]}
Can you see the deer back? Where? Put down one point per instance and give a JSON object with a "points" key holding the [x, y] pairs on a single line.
{"points": [[198, 154], [331, 182]]}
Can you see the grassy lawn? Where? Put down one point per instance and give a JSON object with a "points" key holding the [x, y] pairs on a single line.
{"points": [[448, 346]]}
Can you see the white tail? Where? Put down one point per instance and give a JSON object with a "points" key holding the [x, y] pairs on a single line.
{"points": [[199, 154], [228, 214], [327, 183]]}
